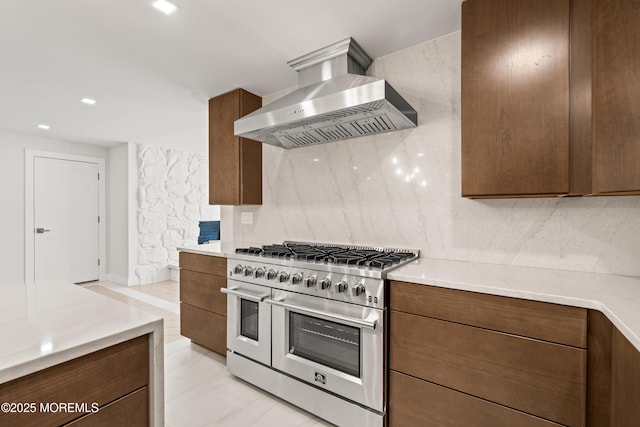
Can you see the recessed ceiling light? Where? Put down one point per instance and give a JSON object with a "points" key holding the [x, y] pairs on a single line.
{"points": [[45, 127], [88, 101], [165, 7]]}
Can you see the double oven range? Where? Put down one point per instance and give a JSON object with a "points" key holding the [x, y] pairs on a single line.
{"points": [[307, 323]]}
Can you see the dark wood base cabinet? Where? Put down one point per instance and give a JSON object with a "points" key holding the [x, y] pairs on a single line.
{"points": [[461, 358], [116, 379], [614, 376], [203, 308], [417, 403], [481, 360], [204, 328]]}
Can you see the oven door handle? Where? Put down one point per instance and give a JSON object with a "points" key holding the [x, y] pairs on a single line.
{"points": [[250, 297], [347, 320]]}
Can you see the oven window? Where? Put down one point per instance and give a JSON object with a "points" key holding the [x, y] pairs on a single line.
{"points": [[331, 344], [249, 319]]}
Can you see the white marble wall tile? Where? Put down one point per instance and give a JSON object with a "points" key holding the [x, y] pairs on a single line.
{"points": [[403, 189]]}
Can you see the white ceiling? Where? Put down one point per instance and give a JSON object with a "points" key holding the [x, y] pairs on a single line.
{"points": [[152, 74]]}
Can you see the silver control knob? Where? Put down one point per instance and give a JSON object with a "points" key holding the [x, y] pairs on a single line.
{"points": [[248, 271], [258, 273], [283, 276], [309, 282], [238, 269], [325, 283], [341, 286], [271, 275], [358, 290], [296, 279]]}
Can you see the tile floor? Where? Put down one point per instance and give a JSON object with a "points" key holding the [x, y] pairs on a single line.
{"points": [[198, 389]]}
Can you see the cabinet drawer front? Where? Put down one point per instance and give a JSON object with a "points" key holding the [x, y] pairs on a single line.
{"points": [[544, 321], [208, 264], [204, 328], [100, 377], [414, 402], [203, 290], [540, 378], [131, 411]]}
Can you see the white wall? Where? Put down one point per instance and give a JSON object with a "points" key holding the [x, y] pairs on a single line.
{"points": [[402, 189], [117, 214], [12, 147], [192, 140]]}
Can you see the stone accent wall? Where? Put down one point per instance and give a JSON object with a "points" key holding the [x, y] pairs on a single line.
{"points": [[172, 198]]}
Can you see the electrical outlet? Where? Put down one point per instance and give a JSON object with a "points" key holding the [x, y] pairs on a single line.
{"points": [[247, 218]]}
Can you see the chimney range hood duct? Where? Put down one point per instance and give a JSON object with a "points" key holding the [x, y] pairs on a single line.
{"points": [[335, 100]]}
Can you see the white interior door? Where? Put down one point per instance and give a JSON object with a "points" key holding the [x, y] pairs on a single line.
{"points": [[66, 211]]}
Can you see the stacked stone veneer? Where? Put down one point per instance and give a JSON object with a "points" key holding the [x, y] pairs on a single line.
{"points": [[172, 198]]}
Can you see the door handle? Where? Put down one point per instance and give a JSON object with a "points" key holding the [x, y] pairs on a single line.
{"points": [[245, 295], [40, 230], [347, 320]]}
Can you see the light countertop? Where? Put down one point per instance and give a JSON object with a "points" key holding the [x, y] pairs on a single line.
{"points": [[213, 249], [45, 324], [617, 297], [218, 248]]}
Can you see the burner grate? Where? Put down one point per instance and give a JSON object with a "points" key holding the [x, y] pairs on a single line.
{"points": [[329, 254]]}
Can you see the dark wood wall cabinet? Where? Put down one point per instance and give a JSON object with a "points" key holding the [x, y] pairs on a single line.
{"points": [[115, 378], [235, 164], [550, 98], [461, 358], [203, 308]]}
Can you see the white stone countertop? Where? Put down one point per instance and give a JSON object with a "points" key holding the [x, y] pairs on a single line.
{"points": [[617, 297], [218, 248], [48, 323], [212, 248]]}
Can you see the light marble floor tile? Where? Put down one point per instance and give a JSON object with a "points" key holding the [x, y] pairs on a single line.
{"points": [[168, 290], [200, 392], [198, 389], [171, 320], [133, 292]]}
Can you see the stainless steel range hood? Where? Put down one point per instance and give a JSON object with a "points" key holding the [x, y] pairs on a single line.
{"points": [[335, 100]]}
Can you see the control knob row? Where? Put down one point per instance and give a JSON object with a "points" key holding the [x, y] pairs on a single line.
{"points": [[296, 279]]}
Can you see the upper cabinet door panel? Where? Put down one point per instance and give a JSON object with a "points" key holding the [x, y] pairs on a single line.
{"points": [[616, 96], [235, 164], [224, 150], [515, 97]]}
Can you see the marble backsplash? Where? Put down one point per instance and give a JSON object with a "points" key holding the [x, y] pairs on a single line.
{"points": [[402, 189]]}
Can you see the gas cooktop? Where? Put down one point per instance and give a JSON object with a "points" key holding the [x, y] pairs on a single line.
{"points": [[332, 254], [347, 273]]}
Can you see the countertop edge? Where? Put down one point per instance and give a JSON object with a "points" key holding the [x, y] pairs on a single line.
{"points": [[55, 358], [202, 252]]}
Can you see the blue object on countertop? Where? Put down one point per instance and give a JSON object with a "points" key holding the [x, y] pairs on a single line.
{"points": [[209, 230]]}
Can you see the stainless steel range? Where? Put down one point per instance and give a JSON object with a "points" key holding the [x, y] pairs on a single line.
{"points": [[307, 323]]}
